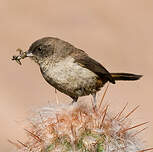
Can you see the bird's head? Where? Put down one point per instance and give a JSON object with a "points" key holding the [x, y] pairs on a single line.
{"points": [[45, 50], [41, 49]]}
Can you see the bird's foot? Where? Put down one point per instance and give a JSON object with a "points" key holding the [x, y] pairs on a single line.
{"points": [[74, 101]]}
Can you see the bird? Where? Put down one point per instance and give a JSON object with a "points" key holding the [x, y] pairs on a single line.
{"points": [[70, 69]]}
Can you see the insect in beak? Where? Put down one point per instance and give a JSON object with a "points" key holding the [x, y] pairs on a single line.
{"points": [[21, 55]]}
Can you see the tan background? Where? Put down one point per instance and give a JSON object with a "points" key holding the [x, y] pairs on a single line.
{"points": [[117, 33]]}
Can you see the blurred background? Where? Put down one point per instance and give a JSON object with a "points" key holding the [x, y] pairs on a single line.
{"points": [[118, 34]]}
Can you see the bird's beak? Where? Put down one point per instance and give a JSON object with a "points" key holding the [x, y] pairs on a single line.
{"points": [[29, 54]]}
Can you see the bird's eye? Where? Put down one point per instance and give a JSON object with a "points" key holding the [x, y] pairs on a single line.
{"points": [[39, 48]]}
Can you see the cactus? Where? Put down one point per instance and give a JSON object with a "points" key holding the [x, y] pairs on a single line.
{"points": [[80, 128]]}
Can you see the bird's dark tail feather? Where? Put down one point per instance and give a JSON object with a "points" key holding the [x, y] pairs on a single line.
{"points": [[125, 76]]}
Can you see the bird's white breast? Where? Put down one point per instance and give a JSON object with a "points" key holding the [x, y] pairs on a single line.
{"points": [[70, 74]]}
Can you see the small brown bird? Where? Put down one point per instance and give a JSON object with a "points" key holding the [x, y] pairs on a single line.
{"points": [[69, 69]]}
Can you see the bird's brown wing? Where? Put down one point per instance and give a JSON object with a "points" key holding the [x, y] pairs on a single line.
{"points": [[85, 61]]}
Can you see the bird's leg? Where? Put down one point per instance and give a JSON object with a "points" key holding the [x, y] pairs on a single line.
{"points": [[74, 99], [94, 99]]}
